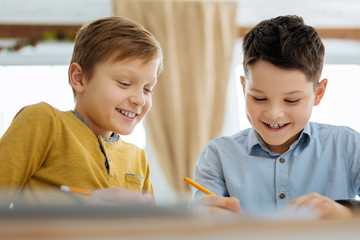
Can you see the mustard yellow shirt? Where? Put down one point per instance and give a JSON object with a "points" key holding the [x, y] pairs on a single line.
{"points": [[45, 148]]}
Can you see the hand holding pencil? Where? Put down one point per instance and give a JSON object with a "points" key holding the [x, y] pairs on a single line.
{"points": [[198, 186], [215, 203]]}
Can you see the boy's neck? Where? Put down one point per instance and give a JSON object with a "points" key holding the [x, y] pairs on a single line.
{"points": [[111, 134], [283, 148]]}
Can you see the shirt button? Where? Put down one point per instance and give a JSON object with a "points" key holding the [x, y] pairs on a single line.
{"points": [[282, 160], [282, 196]]}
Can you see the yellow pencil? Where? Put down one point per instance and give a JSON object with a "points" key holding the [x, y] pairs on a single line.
{"points": [[76, 190], [198, 186]]}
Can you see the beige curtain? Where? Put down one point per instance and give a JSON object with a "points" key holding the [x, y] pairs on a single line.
{"points": [[197, 38]]}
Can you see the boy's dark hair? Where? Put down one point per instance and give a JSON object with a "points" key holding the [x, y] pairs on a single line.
{"points": [[286, 42], [98, 40]]}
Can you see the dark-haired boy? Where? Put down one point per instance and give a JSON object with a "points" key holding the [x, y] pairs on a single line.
{"points": [[283, 160]]}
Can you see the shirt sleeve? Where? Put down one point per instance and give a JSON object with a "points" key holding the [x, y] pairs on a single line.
{"points": [[23, 148], [350, 143], [209, 174]]}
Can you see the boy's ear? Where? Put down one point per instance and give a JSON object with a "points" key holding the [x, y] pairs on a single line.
{"points": [[76, 77], [242, 79], [320, 91]]}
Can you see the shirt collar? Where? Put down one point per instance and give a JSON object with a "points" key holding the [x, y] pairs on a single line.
{"points": [[114, 136], [255, 141], [306, 131]]}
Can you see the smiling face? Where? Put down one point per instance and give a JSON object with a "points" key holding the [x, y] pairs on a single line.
{"points": [[279, 103], [118, 95]]}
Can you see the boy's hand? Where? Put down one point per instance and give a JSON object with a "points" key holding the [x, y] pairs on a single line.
{"points": [[219, 205], [116, 196], [324, 207]]}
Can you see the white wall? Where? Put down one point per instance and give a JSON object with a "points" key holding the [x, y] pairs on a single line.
{"points": [[53, 11], [320, 13]]}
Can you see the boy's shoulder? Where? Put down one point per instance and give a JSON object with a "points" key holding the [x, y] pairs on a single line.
{"points": [[36, 111], [45, 115], [323, 129], [333, 135]]}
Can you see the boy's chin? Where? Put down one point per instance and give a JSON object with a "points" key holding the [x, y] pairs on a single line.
{"points": [[125, 133]]}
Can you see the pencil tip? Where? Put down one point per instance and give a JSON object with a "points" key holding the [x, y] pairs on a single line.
{"points": [[65, 188]]}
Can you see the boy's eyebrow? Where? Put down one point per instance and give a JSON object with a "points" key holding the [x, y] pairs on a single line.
{"points": [[256, 90], [125, 70], [293, 92], [133, 72], [288, 93]]}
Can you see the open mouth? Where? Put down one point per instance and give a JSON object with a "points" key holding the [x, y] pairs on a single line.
{"points": [[127, 113], [276, 126]]}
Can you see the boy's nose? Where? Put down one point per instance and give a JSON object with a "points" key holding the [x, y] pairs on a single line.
{"points": [[138, 98], [274, 112]]}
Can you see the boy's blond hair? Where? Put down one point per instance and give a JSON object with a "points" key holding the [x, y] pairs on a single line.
{"points": [[96, 41]]}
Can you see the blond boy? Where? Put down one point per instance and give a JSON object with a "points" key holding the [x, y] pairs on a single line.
{"points": [[113, 71]]}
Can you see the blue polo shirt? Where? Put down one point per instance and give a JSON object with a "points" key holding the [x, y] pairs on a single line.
{"points": [[324, 159]]}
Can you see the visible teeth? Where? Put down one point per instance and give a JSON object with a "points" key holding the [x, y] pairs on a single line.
{"points": [[128, 114], [275, 125]]}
